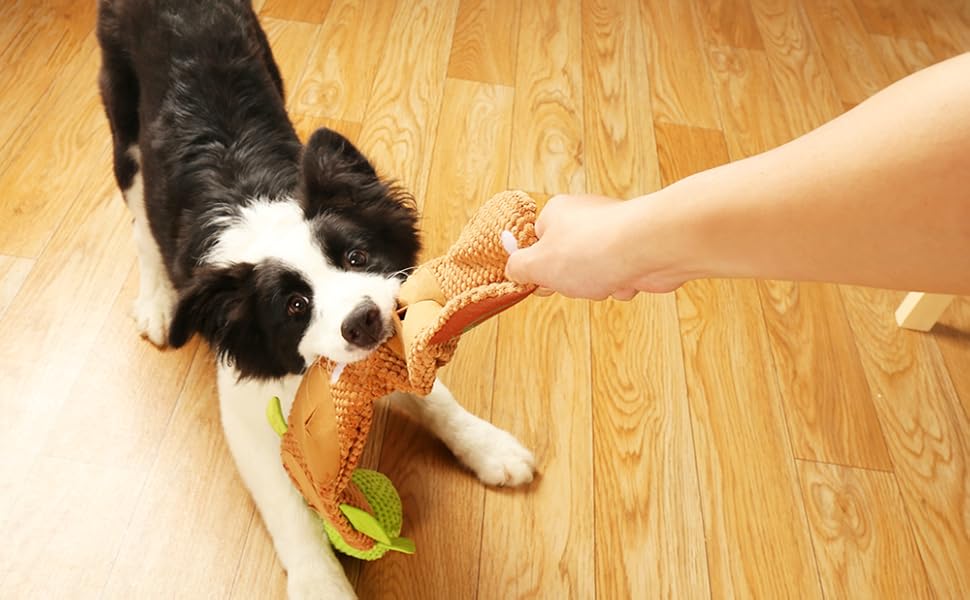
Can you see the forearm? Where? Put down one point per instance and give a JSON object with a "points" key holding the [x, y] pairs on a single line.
{"points": [[879, 196]]}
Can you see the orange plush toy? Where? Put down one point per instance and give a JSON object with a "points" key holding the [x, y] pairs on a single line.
{"points": [[332, 412]]}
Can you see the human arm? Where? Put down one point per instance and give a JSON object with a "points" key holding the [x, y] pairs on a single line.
{"points": [[879, 196]]}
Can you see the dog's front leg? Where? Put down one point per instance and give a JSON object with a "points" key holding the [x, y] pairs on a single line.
{"points": [[494, 455], [312, 569]]}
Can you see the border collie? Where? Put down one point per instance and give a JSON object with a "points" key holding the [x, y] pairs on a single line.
{"points": [[275, 253]]}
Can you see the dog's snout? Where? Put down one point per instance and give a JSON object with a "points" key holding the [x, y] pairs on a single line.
{"points": [[363, 327]]}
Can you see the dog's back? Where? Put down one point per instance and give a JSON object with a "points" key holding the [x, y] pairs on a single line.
{"points": [[194, 86]]}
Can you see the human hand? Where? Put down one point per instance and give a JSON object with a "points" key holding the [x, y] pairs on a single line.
{"points": [[581, 250]]}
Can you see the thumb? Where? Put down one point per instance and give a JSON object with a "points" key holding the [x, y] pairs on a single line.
{"points": [[519, 267]]}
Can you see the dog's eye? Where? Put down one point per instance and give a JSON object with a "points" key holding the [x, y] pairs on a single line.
{"points": [[357, 259], [297, 305]]}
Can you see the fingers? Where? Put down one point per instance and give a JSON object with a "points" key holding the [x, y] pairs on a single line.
{"points": [[624, 295], [518, 266], [544, 291]]}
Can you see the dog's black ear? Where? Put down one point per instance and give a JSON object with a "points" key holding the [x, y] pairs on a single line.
{"points": [[207, 306], [333, 167]]}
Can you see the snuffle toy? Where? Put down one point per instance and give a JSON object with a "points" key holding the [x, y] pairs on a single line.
{"points": [[334, 406]]}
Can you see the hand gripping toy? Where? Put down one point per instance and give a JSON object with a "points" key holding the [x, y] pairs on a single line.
{"points": [[332, 412]]}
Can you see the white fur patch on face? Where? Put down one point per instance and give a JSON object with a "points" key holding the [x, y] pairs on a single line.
{"points": [[278, 230]]}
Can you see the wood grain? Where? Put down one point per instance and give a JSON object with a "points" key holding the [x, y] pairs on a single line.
{"points": [[947, 26], [339, 74], [92, 426], [680, 90], [683, 151], [747, 479], [547, 134], [259, 573], [752, 112], [398, 131], [42, 179], [846, 46], [728, 23], [952, 334], [861, 534], [43, 338], [895, 19], [798, 68], [621, 158], [470, 164], [900, 57], [828, 403], [484, 45], [650, 530], [538, 541], [190, 526], [291, 43], [308, 11], [13, 272], [927, 433], [746, 475]]}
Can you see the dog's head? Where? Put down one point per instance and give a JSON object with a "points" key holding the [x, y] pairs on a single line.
{"points": [[289, 281]]}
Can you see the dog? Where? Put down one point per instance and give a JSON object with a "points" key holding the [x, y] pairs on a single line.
{"points": [[277, 254]]}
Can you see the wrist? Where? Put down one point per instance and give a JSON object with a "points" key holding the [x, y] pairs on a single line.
{"points": [[669, 235]]}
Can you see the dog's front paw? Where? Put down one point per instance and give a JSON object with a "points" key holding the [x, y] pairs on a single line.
{"points": [[318, 584], [496, 457], [153, 314]]}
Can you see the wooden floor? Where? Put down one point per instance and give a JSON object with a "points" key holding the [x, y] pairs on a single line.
{"points": [[735, 439]]}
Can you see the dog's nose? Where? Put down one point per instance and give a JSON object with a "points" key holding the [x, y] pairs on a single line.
{"points": [[363, 326]]}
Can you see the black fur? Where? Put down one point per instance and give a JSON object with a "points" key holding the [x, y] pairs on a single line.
{"points": [[194, 85]]}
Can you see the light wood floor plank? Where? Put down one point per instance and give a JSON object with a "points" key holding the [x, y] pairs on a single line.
{"points": [[650, 530], [827, 406], [547, 134], [92, 425], [747, 477], [398, 131], [621, 157], [893, 18], [43, 339], [845, 44], [484, 46], [339, 74], [952, 335], [947, 28], [62, 504], [259, 573], [291, 42], [470, 164], [728, 23], [828, 403], [41, 49], [798, 68], [189, 528], [308, 11], [680, 87], [539, 540], [900, 57], [43, 175], [859, 528], [707, 150], [927, 434], [13, 273]]}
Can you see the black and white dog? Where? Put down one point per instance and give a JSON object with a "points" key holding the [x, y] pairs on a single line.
{"points": [[277, 254]]}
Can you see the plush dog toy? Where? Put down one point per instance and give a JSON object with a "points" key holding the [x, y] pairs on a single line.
{"points": [[332, 412]]}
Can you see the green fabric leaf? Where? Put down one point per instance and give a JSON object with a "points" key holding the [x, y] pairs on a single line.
{"points": [[365, 523], [274, 414]]}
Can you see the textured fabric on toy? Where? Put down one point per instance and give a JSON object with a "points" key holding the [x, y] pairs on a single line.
{"points": [[330, 421]]}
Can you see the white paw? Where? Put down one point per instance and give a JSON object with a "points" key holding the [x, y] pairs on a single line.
{"points": [[496, 456], [153, 314], [318, 584]]}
